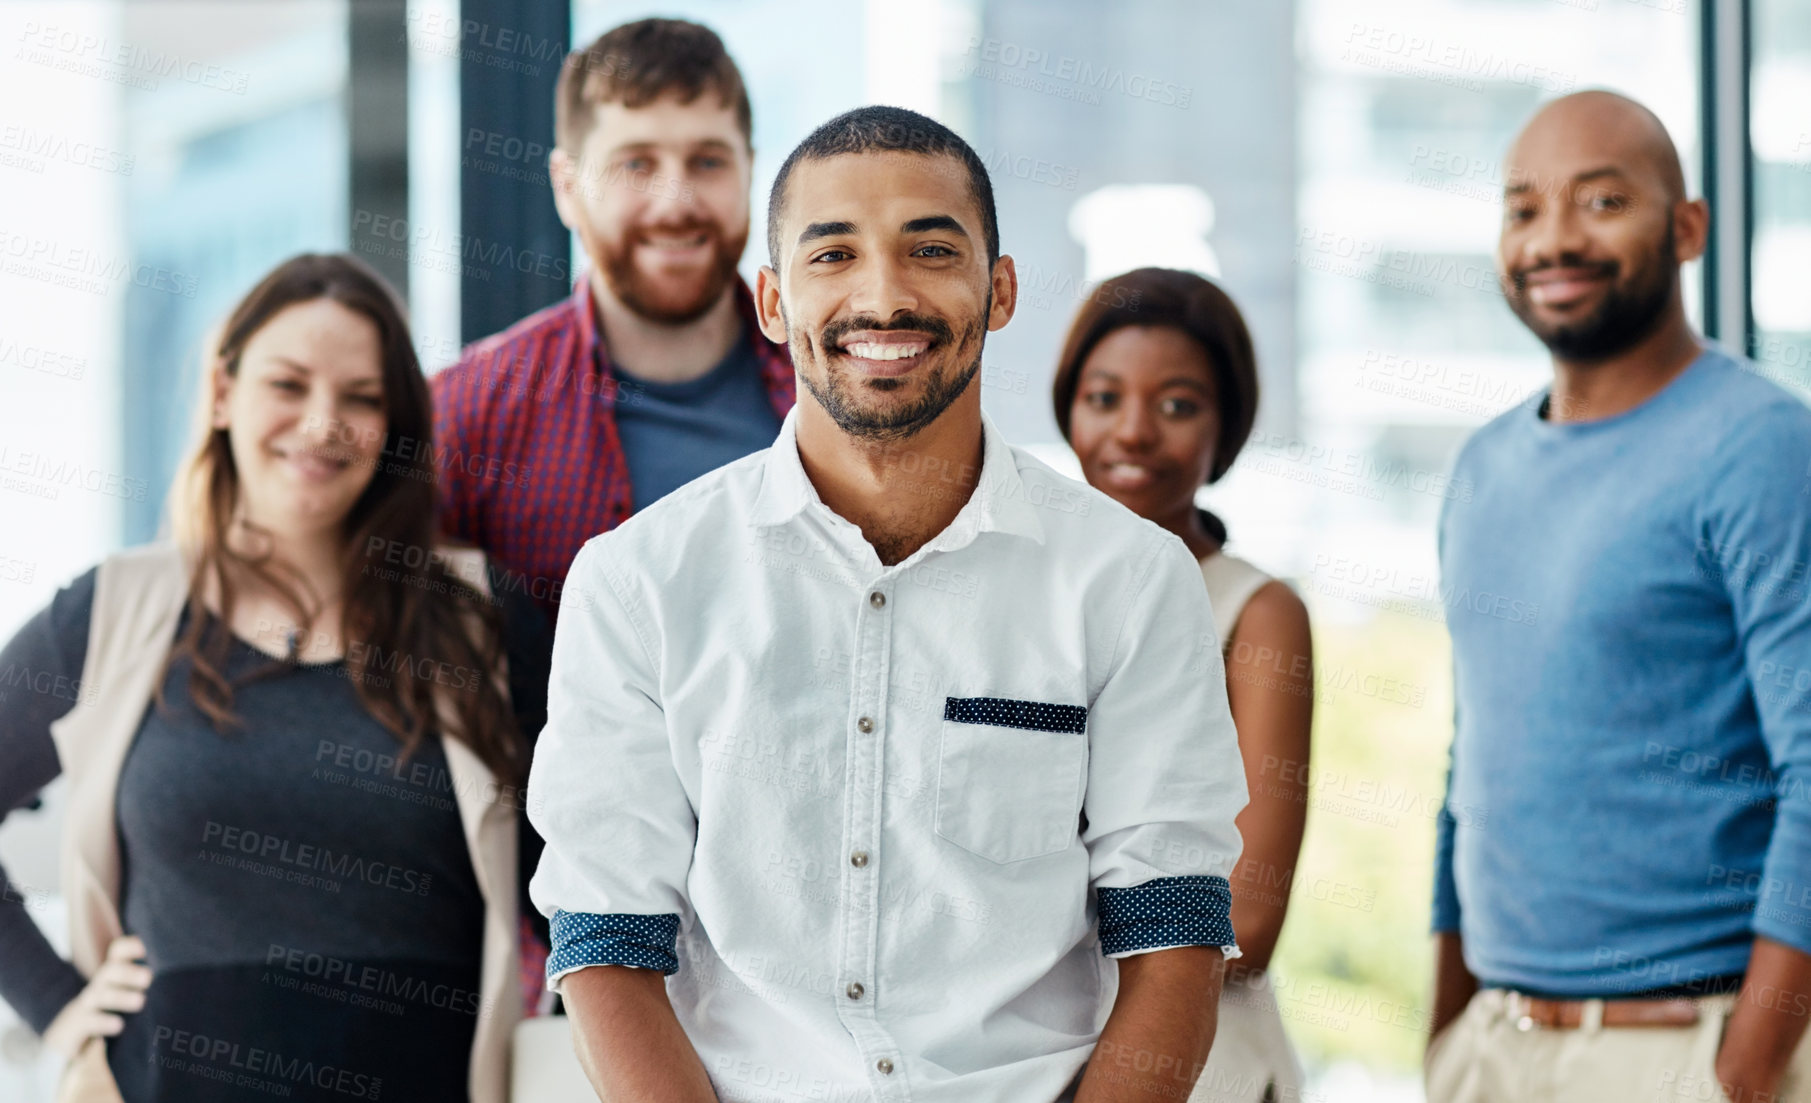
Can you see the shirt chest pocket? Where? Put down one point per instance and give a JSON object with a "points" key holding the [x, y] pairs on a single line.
{"points": [[1010, 776]]}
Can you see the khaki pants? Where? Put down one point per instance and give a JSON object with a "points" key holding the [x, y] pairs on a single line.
{"points": [[1485, 1057], [1252, 1061]]}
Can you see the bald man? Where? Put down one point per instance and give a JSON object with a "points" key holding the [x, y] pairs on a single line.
{"points": [[1623, 872]]}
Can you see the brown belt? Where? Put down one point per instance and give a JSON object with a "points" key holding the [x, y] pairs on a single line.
{"points": [[1530, 1012]]}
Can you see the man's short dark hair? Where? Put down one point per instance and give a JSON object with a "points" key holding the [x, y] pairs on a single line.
{"points": [[638, 63], [886, 130]]}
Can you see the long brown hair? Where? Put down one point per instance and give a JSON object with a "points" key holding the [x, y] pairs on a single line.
{"points": [[410, 627], [1185, 301]]}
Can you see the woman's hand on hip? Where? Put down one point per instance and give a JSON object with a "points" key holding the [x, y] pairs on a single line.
{"points": [[117, 988]]}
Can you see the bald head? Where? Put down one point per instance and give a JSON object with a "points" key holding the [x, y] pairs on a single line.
{"points": [[1588, 131], [1595, 227]]}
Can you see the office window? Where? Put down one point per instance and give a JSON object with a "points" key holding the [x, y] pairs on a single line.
{"points": [[1780, 129], [1407, 112]]}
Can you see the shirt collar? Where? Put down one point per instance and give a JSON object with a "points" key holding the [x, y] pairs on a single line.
{"points": [[998, 503], [590, 343]]}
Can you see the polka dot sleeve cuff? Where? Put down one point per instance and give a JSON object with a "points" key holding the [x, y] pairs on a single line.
{"points": [[643, 941], [1166, 912]]}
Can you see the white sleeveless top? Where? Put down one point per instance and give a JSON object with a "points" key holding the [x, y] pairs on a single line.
{"points": [[1252, 1059], [1230, 583]]}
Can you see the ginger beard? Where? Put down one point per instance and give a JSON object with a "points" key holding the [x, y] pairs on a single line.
{"points": [[676, 296], [860, 406]]}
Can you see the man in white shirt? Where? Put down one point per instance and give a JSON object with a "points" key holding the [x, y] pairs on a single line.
{"points": [[887, 763]]}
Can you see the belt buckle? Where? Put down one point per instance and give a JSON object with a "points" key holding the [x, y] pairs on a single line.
{"points": [[1520, 1006]]}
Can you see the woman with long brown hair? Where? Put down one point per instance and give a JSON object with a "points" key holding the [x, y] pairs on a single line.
{"points": [[1157, 390], [294, 742]]}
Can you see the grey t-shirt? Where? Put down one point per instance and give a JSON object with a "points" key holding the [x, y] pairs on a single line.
{"points": [[299, 887]]}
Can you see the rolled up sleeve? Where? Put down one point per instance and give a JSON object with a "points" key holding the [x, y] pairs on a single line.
{"points": [[1164, 775], [603, 791]]}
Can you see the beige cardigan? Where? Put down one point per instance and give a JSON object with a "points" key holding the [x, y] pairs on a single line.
{"points": [[139, 597]]}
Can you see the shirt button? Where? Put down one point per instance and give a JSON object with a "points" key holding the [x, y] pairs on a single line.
{"points": [[858, 859], [877, 599], [864, 725], [855, 990], [885, 1066]]}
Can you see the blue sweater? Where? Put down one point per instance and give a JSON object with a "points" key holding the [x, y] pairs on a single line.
{"points": [[1628, 802]]}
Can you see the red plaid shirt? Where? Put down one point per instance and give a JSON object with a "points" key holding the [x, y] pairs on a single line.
{"points": [[531, 465]]}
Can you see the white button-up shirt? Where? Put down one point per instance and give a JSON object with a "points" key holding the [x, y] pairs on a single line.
{"points": [[884, 826]]}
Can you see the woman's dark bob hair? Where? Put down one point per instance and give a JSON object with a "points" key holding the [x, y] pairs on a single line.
{"points": [[1185, 301]]}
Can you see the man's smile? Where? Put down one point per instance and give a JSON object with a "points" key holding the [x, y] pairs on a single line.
{"points": [[883, 352]]}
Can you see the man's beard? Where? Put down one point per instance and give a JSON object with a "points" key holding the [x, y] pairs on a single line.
{"points": [[1627, 314], [839, 391], [653, 299]]}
